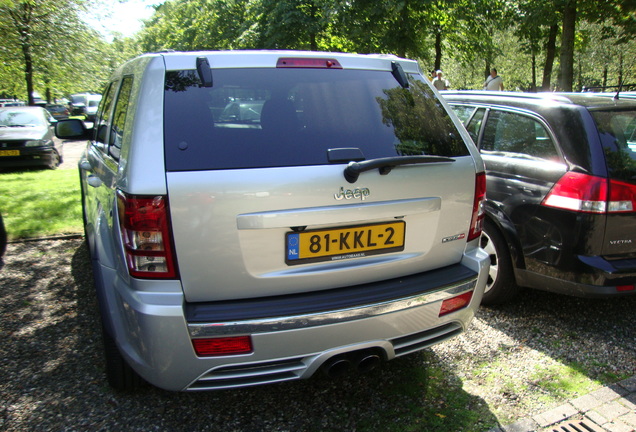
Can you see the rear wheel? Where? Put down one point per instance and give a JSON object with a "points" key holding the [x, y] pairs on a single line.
{"points": [[501, 286], [120, 375]]}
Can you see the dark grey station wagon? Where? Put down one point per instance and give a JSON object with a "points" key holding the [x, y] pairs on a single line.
{"points": [[561, 180]]}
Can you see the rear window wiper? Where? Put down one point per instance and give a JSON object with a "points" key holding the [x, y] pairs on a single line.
{"points": [[385, 165]]}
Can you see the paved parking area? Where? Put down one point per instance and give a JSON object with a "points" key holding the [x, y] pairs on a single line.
{"points": [[608, 409], [72, 152]]}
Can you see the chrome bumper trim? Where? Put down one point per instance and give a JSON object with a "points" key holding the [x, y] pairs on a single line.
{"points": [[201, 330]]}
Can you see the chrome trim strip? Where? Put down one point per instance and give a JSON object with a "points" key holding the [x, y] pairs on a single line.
{"points": [[198, 330], [337, 213]]}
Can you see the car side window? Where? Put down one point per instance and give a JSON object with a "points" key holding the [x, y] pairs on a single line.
{"points": [[463, 112], [472, 118], [474, 124], [119, 117], [102, 122], [517, 135]]}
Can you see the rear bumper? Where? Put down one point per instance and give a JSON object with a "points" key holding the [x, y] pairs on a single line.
{"points": [[153, 331], [596, 277]]}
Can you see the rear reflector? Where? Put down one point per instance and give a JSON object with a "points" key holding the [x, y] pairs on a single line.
{"points": [[477, 220], [588, 194], [222, 346], [303, 62], [455, 303], [624, 288], [145, 232]]}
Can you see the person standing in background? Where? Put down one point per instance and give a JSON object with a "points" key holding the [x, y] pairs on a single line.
{"points": [[440, 83], [494, 81]]}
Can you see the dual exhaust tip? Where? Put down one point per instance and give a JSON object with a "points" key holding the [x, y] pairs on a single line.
{"points": [[360, 361]]}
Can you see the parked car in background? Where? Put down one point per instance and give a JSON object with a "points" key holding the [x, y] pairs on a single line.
{"points": [[10, 103], [85, 104], [58, 111], [561, 201], [340, 229], [26, 138]]}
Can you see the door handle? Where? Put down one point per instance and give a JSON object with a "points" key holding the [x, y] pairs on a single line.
{"points": [[85, 165]]}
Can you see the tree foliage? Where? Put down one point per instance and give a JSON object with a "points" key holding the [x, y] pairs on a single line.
{"points": [[46, 48], [535, 44]]}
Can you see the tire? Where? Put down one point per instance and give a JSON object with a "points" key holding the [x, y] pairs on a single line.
{"points": [[55, 161], [3, 238], [119, 374], [501, 286]]}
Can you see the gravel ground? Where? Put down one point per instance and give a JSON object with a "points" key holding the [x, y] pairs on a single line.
{"points": [[503, 368]]}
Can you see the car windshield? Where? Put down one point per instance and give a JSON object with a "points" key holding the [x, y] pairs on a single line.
{"points": [[9, 118], [254, 118], [617, 130]]}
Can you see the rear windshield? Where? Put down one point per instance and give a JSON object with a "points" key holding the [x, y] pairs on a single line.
{"points": [[253, 118], [617, 130]]}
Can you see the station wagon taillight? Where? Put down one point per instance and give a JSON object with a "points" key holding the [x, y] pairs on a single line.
{"points": [[585, 193], [145, 231], [477, 220]]}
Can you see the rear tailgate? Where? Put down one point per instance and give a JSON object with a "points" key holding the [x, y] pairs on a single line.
{"points": [[230, 227]]}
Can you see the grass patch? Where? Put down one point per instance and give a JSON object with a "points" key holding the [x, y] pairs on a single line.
{"points": [[427, 396], [40, 203]]}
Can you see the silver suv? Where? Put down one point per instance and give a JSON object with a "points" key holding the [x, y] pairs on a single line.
{"points": [[253, 217]]}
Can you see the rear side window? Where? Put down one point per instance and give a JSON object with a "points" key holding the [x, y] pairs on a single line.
{"points": [[472, 118], [119, 116], [102, 123], [517, 135], [254, 118], [617, 131]]}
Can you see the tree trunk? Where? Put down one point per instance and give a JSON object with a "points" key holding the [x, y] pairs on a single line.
{"points": [[534, 72], [28, 68], [567, 46], [550, 53], [438, 50], [620, 68]]}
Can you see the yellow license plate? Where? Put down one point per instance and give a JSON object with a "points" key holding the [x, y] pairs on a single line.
{"points": [[343, 243], [9, 152]]}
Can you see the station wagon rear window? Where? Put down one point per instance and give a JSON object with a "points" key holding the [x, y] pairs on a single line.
{"points": [[253, 118]]}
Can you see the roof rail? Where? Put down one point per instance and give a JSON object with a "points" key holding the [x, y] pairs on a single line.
{"points": [[536, 96], [601, 89]]}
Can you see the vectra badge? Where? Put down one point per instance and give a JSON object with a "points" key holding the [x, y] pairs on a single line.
{"points": [[357, 193]]}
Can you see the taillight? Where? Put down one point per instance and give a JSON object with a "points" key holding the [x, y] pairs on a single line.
{"points": [[622, 197], [589, 194], [477, 220], [145, 232], [455, 303], [211, 347]]}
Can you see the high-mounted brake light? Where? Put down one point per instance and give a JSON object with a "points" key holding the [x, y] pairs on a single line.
{"points": [[145, 232], [308, 62], [455, 303], [477, 220], [212, 347], [589, 194]]}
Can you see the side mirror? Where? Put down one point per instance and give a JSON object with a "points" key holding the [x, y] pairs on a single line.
{"points": [[72, 129]]}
